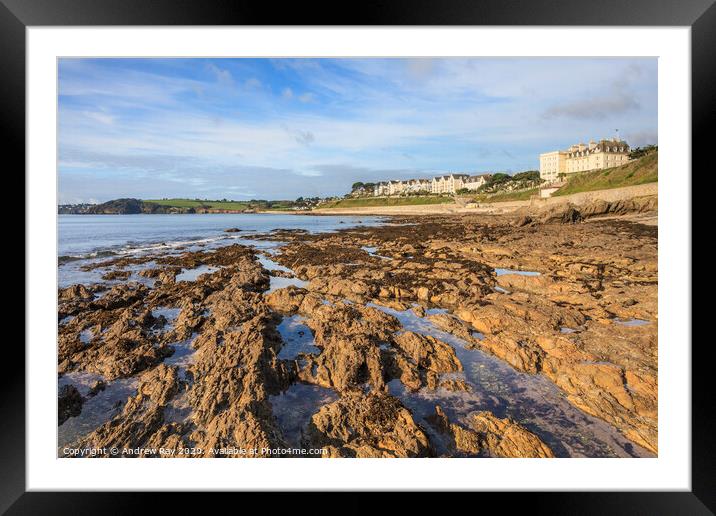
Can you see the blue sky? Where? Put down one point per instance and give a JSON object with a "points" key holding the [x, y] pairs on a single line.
{"points": [[283, 128]]}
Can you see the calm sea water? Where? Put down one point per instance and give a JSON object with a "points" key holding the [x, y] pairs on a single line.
{"points": [[87, 238]]}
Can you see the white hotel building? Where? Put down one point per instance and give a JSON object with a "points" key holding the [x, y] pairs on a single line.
{"points": [[581, 158]]}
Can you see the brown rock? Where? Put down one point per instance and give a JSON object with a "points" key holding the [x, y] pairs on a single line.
{"points": [[562, 214], [592, 274], [461, 440], [505, 438], [372, 425], [428, 352], [96, 388], [69, 403], [523, 221], [141, 417], [286, 300], [115, 275], [75, 293]]}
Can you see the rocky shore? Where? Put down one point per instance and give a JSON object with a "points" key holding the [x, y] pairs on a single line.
{"points": [[565, 300]]}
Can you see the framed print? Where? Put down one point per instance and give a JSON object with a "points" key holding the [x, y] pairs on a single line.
{"points": [[418, 250]]}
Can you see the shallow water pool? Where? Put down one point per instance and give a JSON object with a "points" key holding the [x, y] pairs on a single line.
{"points": [[531, 400], [294, 407], [500, 272]]}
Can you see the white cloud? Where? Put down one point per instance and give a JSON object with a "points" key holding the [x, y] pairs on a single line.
{"points": [[617, 99], [103, 118], [309, 173], [382, 116], [222, 76], [596, 108], [252, 82], [642, 138]]}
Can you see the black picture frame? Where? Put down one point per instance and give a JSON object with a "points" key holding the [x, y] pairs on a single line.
{"points": [[700, 15]]}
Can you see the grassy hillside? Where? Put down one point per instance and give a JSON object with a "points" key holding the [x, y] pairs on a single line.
{"points": [[189, 203], [387, 201], [643, 170], [222, 205], [524, 195]]}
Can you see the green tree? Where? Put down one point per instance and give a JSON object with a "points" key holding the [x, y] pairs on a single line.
{"points": [[639, 152], [529, 175]]}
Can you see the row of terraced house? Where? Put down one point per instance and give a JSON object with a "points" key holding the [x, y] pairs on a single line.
{"points": [[450, 183]]}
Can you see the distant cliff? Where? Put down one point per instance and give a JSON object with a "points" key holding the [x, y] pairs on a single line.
{"points": [[121, 207]]}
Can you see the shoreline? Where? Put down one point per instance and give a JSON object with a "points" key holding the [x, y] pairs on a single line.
{"points": [[400, 322], [505, 207], [484, 208]]}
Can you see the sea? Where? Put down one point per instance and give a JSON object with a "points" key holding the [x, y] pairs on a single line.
{"points": [[86, 239]]}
